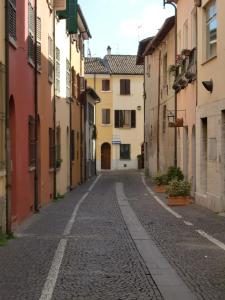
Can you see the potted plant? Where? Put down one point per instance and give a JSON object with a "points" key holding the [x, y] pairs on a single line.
{"points": [[172, 70], [178, 192], [174, 173], [186, 52], [161, 181]]}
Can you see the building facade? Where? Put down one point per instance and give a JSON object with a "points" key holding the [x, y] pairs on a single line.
{"points": [[158, 55], [120, 115], [210, 115], [2, 119], [186, 88]]}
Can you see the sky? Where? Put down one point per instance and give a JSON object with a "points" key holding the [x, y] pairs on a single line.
{"points": [[121, 24]]}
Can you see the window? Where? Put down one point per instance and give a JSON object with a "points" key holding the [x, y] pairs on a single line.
{"points": [[106, 116], [39, 42], [124, 86], [57, 71], [74, 83], [72, 144], [125, 118], [105, 85], [67, 78], [164, 119], [2, 116], [31, 133], [194, 28], [51, 148], [12, 19], [165, 70], [185, 31], [30, 32], [124, 151], [211, 29], [50, 59], [91, 114], [58, 146]]}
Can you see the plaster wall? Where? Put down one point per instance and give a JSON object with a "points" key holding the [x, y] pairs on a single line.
{"points": [[62, 108], [211, 108], [132, 136]]}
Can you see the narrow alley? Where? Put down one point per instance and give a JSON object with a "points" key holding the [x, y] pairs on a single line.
{"points": [[113, 238]]}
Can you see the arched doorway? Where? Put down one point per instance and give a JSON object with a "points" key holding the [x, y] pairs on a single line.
{"points": [[106, 156]]}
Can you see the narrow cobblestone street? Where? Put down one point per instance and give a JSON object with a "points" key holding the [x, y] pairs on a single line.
{"points": [[84, 247]]}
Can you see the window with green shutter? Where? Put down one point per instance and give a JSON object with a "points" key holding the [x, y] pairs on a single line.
{"points": [[12, 19]]}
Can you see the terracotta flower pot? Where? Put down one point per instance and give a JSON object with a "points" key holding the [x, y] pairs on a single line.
{"points": [[160, 189], [178, 201]]}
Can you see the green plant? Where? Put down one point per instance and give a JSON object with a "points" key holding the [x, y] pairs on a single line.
{"points": [[178, 188], [4, 238], [58, 163], [160, 179], [140, 156], [174, 173], [172, 69]]}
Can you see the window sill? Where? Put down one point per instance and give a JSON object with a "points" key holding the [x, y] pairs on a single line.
{"points": [[106, 91], [106, 125], [125, 94], [125, 159], [209, 59], [13, 42]]}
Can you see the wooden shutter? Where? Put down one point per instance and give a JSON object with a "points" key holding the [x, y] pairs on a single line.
{"points": [[72, 145], [51, 148], [127, 87], [117, 118], [32, 141], [74, 83], [133, 119], [39, 42], [12, 19], [122, 87], [107, 116]]}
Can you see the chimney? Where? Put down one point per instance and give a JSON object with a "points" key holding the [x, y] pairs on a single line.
{"points": [[109, 50]]}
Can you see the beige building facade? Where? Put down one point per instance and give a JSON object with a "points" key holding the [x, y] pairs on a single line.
{"points": [[210, 115], [186, 88], [158, 55]]}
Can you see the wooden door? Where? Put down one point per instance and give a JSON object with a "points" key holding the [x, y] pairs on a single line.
{"points": [[106, 156]]}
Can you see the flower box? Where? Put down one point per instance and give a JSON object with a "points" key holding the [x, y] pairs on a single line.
{"points": [[160, 189], [178, 200]]}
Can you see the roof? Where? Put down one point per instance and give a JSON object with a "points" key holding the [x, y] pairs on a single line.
{"points": [[95, 65], [153, 44], [93, 94], [84, 26], [141, 49], [114, 65]]}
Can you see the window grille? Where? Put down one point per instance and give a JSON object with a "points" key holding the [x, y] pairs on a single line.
{"points": [[12, 19], [32, 141]]}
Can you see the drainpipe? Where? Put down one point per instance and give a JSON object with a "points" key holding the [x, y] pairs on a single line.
{"points": [[81, 145], [36, 202], [144, 96], [95, 154], [7, 129], [158, 112], [175, 96], [54, 111], [70, 130]]}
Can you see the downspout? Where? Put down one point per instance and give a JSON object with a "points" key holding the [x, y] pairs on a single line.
{"points": [[70, 129], [144, 96], [81, 145], [7, 128], [175, 96], [36, 202], [95, 155], [54, 110], [158, 111]]}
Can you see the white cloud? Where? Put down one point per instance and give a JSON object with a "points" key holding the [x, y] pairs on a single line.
{"points": [[147, 23]]}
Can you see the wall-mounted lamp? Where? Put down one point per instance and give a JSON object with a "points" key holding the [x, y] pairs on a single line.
{"points": [[198, 3], [208, 85]]}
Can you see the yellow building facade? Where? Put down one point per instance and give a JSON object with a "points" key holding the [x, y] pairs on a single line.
{"points": [[2, 116], [120, 115]]}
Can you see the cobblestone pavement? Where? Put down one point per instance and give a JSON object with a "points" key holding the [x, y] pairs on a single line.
{"points": [[200, 263], [100, 260]]}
